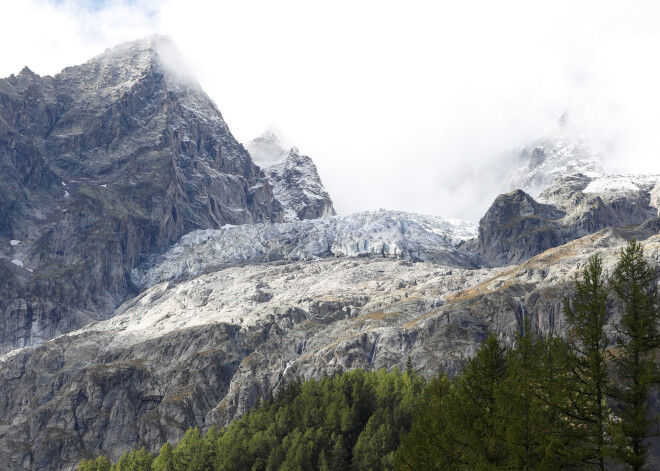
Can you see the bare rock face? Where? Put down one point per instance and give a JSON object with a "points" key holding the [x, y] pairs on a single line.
{"points": [[517, 227], [294, 178], [103, 164]]}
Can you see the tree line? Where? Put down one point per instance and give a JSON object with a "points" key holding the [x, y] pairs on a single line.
{"points": [[548, 403]]}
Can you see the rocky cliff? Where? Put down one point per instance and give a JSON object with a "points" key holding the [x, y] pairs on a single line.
{"points": [[201, 351], [102, 165], [517, 227]]}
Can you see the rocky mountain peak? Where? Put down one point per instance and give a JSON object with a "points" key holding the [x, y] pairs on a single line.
{"points": [[294, 178], [140, 53], [103, 164], [26, 72], [564, 150], [122, 68]]}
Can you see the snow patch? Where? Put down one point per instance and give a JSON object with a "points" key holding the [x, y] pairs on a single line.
{"points": [[17, 262], [622, 183], [14, 242]]}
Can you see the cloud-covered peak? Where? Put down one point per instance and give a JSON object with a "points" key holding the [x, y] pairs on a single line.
{"points": [[266, 149]]}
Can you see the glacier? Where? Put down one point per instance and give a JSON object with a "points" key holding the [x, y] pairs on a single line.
{"points": [[392, 234]]}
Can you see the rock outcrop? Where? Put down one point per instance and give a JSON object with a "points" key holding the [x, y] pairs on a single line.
{"points": [[517, 227], [102, 165]]}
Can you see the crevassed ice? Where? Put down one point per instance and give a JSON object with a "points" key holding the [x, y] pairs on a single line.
{"points": [[394, 234]]}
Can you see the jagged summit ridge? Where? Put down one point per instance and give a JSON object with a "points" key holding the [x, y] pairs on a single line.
{"points": [[294, 177]]}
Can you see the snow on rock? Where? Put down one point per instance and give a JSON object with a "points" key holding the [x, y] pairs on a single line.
{"points": [[620, 183], [297, 186], [564, 151], [14, 242], [294, 178], [391, 234], [17, 262]]}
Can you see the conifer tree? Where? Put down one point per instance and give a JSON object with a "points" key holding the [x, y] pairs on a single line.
{"points": [[522, 415], [634, 283], [165, 459], [586, 358], [474, 409], [428, 445], [552, 380]]}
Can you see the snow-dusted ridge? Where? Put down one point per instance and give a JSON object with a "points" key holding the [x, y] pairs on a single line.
{"points": [[566, 150], [394, 234], [295, 180]]}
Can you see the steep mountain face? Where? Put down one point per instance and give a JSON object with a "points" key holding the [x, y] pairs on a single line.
{"points": [[517, 227], [103, 164], [564, 151], [294, 178]]}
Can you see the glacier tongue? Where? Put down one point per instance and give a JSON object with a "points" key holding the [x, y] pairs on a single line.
{"points": [[391, 234]]}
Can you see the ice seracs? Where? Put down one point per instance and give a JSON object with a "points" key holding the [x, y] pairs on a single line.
{"points": [[391, 234]]}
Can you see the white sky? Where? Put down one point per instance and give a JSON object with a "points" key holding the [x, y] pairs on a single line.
{"points": [[402, 105]]}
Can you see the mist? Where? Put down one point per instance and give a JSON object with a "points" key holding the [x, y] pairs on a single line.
{"points": [[415, 108]]}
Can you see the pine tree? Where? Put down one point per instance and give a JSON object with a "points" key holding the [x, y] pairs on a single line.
{"points": [[475, 417], [428, 445], [552, 381], [634, 283], [586, 358], [165, 459], [522, 415]]}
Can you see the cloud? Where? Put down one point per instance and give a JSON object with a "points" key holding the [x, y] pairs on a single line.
{"points": [[413, 107]]}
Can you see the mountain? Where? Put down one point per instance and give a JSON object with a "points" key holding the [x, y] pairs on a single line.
{"points": [[155, 274], [104, 164], [200, 350], [294, 178]]}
